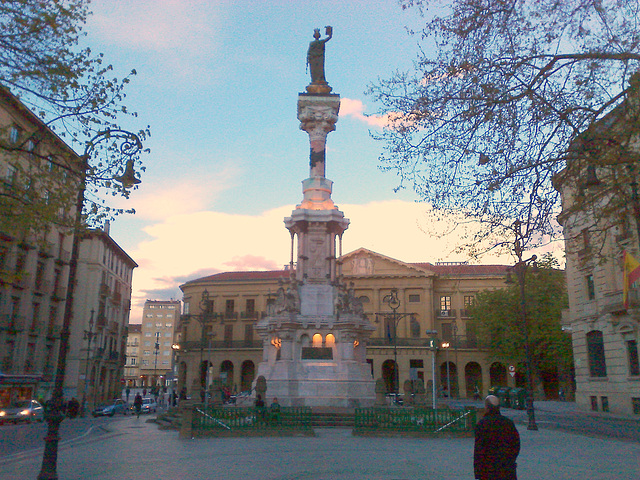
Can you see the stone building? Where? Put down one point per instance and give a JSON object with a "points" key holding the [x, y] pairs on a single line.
{"points": [[34, 257], [102, 303], [218, 329], [40, 179], [600, 219], [132, 364], [160, 319]]}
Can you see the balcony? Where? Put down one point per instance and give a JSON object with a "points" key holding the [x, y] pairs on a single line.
{"points": [[613, 302], [446, 313], [461, 342], [105, 291], [253, 315], [195, 345], [59, 293], [22, 280], [464, 313], [229, 315]]}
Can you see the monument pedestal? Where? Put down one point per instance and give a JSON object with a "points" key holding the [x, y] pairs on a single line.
{"points": [[314, 341]]}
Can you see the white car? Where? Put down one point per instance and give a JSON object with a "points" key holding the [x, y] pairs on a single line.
{"points": [[149, 405]]}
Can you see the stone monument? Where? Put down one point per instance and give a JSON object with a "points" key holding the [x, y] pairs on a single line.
{"points": [[314, 340]]}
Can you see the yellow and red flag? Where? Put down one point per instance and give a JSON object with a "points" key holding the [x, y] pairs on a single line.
{"points": [[631, 274]]}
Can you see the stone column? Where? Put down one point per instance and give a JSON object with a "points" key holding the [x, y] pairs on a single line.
{"points": [[318, 115]]}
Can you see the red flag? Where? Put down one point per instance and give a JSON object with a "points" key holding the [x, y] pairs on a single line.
{"points": [[631, 274]]}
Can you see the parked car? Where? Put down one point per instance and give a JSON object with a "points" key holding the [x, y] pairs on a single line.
{"points": [[22, 411], [149, 405], [117, 406]]}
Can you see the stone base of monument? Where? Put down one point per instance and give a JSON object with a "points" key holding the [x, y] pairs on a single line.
{"points": [[322, 393]]}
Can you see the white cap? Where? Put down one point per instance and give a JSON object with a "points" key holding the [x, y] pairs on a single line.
{"points": [[492, 400]]}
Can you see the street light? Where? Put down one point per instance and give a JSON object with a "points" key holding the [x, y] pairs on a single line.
{"points": [[155, 366], [89, 336], [520, 269], [129, 147], [446, 346], [393, 303]]}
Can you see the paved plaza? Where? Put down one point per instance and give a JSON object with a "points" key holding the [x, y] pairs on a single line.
{"points": [[134, 449]]}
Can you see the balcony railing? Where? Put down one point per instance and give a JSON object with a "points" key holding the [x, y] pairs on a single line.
{"points": [[451, 313], [614, 302], [194, 345], [460, 341]]}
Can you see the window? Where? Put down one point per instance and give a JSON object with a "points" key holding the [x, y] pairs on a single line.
{"points": [[12, 175], [632, 351], [594, 403], [414, 327], [591, 288], [147, 343], [414, 298], [248, 333], [251, 306], [185, 308], [595, 352], [445, 306], [168, 325], [230, 306], [228, 334], [14, 134], [605, 403], [635, 404]]}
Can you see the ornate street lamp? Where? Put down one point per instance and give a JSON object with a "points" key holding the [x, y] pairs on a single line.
{"points": [[129, 145], [520, 269], [393, 302], [89, 336], [446, 346]]}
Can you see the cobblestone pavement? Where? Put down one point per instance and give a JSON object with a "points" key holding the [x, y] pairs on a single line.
{"points": [[134, 449]]}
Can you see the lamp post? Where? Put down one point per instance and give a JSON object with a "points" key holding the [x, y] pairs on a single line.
{"points": [[130, 145], [455, 348], [155, 365], [446, 346], [393, 302], [88, 335], [520, 269]]}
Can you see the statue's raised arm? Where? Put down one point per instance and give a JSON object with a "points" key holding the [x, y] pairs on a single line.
{"points": [[315, 56]]}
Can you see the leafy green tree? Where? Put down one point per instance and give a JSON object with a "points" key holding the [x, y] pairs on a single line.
{"points": [[74, 95], [499, 91], [496, 318]]}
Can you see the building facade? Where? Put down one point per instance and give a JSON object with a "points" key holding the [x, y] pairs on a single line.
{"points": [[97, 346], [132, 365], [40, 182], [600, 219], [34, 250], [160, 319], [220, 312]]}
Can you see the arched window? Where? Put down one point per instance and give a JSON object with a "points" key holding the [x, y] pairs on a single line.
{"points": [[330, 340], [317, 340], [595, 352]]}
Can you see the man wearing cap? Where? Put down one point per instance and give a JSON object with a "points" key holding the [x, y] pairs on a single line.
{"points": [[497, 444]]}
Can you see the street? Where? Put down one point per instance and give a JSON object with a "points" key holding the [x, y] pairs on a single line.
{"points": [[116, 448]]}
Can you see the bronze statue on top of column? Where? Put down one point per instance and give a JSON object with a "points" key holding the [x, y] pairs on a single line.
{"points": [[315, 62]]}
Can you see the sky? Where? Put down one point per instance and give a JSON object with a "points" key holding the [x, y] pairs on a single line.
{"points": [[218, 84]]}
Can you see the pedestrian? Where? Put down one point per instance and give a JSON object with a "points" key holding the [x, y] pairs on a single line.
{"points": [[137, 404], [73, 408], [497, 444], [128, 392]]}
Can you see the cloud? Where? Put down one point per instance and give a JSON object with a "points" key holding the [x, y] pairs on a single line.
{"points": [[186, 246], [196, 189], [355, 109], [155, 25], [179, 36]]}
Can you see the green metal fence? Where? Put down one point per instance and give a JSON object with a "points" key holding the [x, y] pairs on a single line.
{"points": [[415, 420], [286, 420]]}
